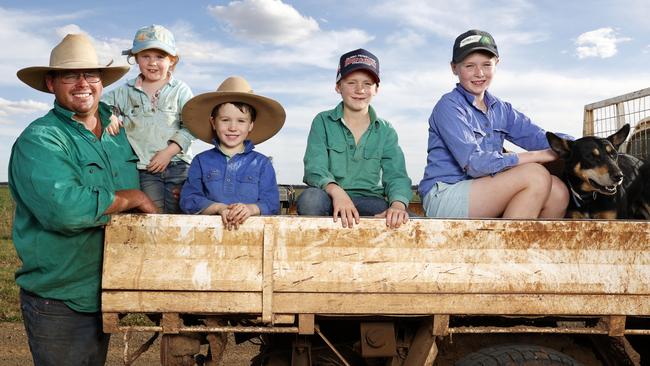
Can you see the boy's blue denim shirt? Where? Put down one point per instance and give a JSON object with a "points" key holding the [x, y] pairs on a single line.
{"points": [[464, 142], [247, 177]]}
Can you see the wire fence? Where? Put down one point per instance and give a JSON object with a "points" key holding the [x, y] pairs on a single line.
{"points": [[605, 117]]}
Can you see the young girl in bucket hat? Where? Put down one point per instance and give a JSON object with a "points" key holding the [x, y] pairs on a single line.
{"points": [[467, 172], [150, 107], [353, 163], [231, 179]]}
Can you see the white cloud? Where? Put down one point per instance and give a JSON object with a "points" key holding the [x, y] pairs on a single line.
{"points": [[437, 17], [598, 43], [297, 41], [9, 108], [266, 21], [406, 38], [24, 44]]}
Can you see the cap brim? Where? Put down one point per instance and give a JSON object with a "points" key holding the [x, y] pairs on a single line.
{"points": [[152, 45], [270, 114], [35, 76], [359, 67], [465, 53]]}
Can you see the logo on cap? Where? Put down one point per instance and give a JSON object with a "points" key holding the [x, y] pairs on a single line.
{"points": [[360, 59]]}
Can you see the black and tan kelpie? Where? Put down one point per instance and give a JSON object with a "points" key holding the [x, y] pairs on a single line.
{"points": [[638, 196], [598, 176]]}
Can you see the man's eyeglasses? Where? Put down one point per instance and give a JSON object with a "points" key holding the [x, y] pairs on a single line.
{"points": [[73, 77]]}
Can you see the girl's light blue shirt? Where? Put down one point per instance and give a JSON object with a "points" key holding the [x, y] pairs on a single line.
{"points": [[150, 127]]}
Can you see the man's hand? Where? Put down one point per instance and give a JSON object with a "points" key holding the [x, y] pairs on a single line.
{"points": [[342, 205], [395, 215], [131, 199], [147, 206]]}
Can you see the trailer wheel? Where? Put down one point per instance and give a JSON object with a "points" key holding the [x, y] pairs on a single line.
{"points": [[517, 355]]}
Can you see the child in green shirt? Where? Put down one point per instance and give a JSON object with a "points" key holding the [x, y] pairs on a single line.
{"points": [[353, 163]]}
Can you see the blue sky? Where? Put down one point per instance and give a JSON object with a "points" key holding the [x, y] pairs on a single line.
{"points": [[556, 56]]}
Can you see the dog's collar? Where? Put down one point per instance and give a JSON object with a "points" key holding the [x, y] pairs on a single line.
{"points": [[580, 198]]}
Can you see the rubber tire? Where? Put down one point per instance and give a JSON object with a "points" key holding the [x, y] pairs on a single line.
{"points": [[517, 355]]}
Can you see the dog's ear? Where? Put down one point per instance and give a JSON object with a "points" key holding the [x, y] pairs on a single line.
{"points": [[619, 136], [561, 146]]}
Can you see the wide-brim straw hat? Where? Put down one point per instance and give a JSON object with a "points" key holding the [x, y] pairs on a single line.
{"points": [[75, 52], [270, 114]]}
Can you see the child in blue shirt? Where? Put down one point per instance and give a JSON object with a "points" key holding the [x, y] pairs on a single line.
{"points": [[467, 172], [231, 179]]}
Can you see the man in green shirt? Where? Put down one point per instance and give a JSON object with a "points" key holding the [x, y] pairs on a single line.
{"points": [[353, 161], [67, 175]]}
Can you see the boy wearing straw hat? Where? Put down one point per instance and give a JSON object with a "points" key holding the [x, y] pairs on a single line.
{"points": [[232, 180], [67, 175]]}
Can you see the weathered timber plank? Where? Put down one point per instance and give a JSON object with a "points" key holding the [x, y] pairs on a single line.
{"points": [[182, 302], [267, 272], [621, 98], [479, 304], [436, 277], [475, 256], [173, 274], [427, 256], [180, 252], [379, 304], [465, 234]]}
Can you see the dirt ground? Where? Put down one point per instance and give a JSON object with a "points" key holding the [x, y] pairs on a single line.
{"points": [[14, 350]]}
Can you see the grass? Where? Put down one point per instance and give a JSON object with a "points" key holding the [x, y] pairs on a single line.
{"points": [[9, 303], [6, 212], [9, 262]]}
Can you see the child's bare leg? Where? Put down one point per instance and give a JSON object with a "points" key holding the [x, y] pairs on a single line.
{"points": [[519, 192], [556, 204]]}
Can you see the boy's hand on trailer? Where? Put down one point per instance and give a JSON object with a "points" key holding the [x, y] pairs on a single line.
{"points": [[395, 215], [343, 206], [237, 213]]}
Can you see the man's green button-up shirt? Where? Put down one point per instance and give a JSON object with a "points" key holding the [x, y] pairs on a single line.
{"points": [[62, 178]]}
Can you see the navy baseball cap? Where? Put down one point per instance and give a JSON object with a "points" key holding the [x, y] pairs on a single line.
{"points": [[358, 60], [472, 41]]}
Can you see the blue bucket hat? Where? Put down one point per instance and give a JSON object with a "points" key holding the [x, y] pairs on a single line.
{"points": [[153, 36]]}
